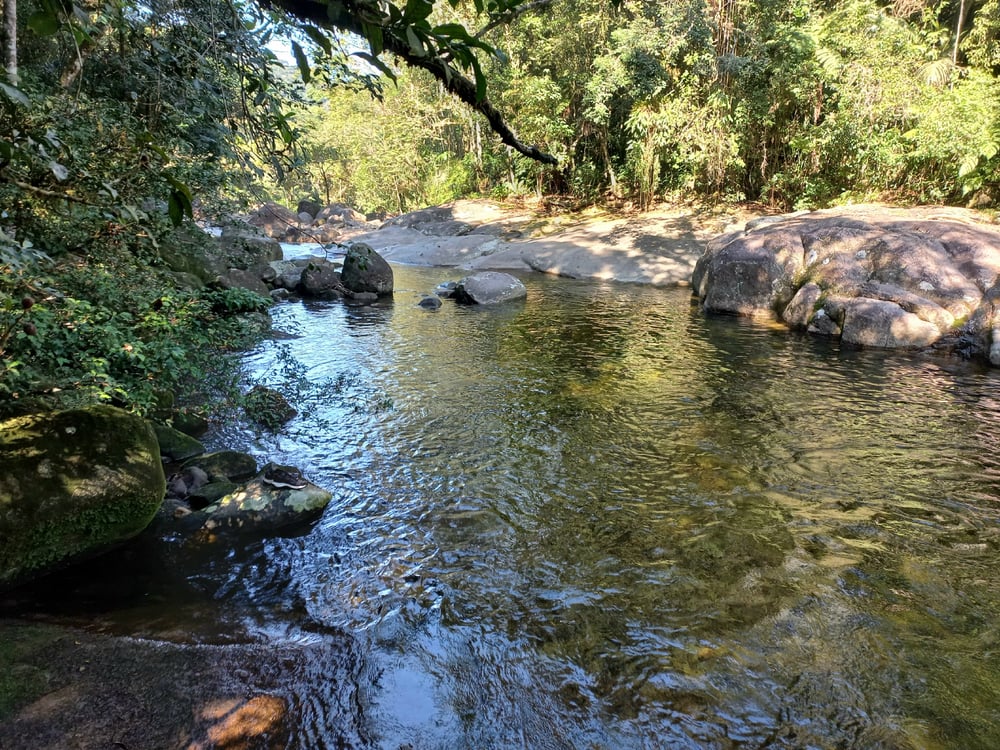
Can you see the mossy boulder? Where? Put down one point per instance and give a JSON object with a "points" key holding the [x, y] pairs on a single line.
{"points": [[74, 484], [175, 445]]}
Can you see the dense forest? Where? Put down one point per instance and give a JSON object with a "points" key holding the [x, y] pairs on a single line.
{"points": [[121, 121]]}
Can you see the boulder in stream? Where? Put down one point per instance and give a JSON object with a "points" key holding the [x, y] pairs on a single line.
{"points": [[74, 484], [366, 271], [489, 288], [277, 499], [877, 277]]}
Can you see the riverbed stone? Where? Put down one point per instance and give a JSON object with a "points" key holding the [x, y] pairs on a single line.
{"points": [[273, 219], [890, 278], [489, 288], [260, 508], [232, 465], [176, 445], [801, 309], [430, 302], [74, 484], [320, 278], [365, 270]]}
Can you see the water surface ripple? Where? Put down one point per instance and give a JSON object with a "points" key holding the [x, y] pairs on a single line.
{"points": [[599, 519]]}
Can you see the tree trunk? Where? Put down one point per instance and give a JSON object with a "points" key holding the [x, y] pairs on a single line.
{"points": [[10, 40], [962, 10]]}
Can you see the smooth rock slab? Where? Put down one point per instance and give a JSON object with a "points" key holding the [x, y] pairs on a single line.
{"points": [[489, 288], [879, 277]]}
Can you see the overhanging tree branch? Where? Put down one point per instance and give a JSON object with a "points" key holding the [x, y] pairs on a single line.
{"points": [[347, 15]]}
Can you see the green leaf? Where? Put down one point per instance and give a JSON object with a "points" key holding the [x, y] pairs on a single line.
{"points": [[416, 46], [373, 34], [15, 95], [44, 23], [175, 210], [319, 38], [377, 63], [480, 78], [302, 61], [417, 10]]}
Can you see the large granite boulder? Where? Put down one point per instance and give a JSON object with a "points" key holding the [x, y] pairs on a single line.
{"points": [[239, 257], [366, 271], [243, 247], [878, 277], [74, 484], [489, 288], [320, 278], [273, 220]]}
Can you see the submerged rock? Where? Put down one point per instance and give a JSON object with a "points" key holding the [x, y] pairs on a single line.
{"points": [[489, 288], [74, 484]]}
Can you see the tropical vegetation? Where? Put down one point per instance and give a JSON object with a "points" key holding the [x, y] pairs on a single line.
{"points": [[121, 120]]}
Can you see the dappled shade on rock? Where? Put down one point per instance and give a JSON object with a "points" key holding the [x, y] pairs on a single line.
{"points": [[74, 484]]}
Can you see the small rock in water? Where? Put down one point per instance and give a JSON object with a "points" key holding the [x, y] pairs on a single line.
{"points": [[430, 302]]}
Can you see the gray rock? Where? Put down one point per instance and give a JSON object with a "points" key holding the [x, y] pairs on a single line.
{"points": [[446, 290], [273, 220], [74, 484], [890, 278], [489, 288], [751, 276], [233, 465], [823, 325], [242, 246], [365, 270], [343, 213], [430, 302], [236, 278], [189, 421], [320, 278], [258, 507], [886, 325], [174, 444], [801, 309], [310, 207]]}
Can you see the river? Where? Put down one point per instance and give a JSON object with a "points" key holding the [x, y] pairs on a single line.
{"points": [[601, 519]]}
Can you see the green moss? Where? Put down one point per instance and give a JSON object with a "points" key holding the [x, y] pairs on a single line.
{"points": [[75, 483]]}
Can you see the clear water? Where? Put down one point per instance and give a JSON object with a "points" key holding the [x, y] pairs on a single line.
{"points": [[599, 519]]}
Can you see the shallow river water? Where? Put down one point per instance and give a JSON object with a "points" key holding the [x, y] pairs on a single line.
{"points": [[599, 519]]}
